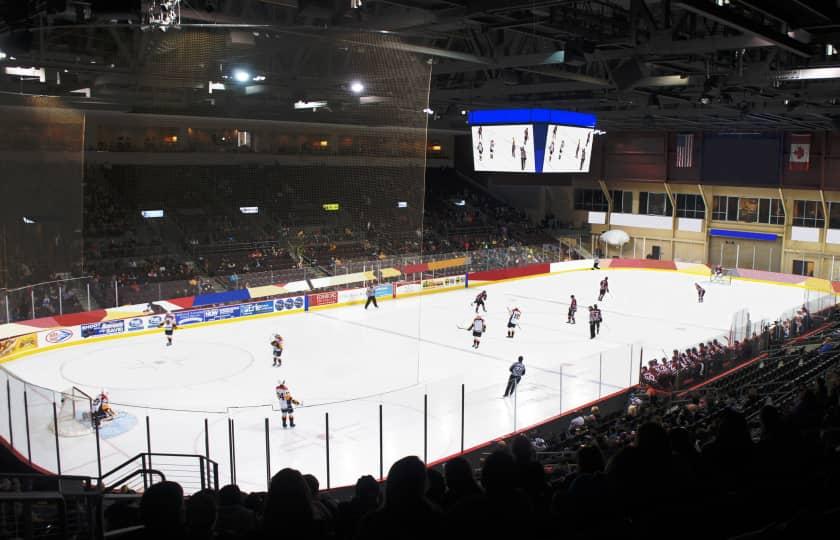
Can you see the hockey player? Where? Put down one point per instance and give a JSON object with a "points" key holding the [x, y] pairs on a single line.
{"points": [[277, 350], [701, 292], [169, 325], [598, 319], [371, 297], [513, 320], [517, 371], [102, 407], [480, 150], [605, 288], [287, 403], [478, 327], [572, 311], [479, 301], [593, 316], [492, 147]]}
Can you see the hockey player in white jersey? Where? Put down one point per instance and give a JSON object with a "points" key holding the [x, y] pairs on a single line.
{"points": [[478, 327], [169, 325], [287, 403], [513, 320]]}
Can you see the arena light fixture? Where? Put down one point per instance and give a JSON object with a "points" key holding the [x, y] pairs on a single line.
{"points": [[357, 87], [461, 202], [402, 204], [240, 75], [300, 104], [249, 209], [2, 55], [259, 78], [151, 214], [28, 221], [428, 111]]}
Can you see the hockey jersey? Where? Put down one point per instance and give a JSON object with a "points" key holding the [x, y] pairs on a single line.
{"points": [[478, 325]]}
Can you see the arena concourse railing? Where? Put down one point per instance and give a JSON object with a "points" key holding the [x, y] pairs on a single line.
{"points": [[53, 432]]}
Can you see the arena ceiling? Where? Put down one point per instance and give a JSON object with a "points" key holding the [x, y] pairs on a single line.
{"points": [[637, 64]]}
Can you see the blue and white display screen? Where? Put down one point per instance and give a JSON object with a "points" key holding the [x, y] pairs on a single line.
{"points": [[568, 149], [504, 148]]}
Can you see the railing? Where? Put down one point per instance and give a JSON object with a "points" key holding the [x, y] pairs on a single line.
{"points": [[193, 472], [80, 294]]}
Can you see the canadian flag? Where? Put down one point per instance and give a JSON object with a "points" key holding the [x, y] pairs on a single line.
{"points": [[800, 152]]}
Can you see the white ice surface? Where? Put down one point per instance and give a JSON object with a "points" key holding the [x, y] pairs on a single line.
{"points": [[347, 361]]}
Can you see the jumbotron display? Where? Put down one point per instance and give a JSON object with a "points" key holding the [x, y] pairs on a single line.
{"points": [[531, 140], [504, 148]]}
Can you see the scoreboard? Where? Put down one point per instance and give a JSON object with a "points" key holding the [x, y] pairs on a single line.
{"points": [[531, 140]]}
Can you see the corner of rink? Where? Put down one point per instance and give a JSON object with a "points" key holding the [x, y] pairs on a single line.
{"points": [[696, 269]]}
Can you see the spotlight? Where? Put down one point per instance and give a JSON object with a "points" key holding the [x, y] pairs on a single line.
{"points": [[240, 75], [356, 87], [463, 112], [2, 55], [428, 111]]}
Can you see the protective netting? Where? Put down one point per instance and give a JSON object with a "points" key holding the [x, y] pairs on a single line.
{"points": [[205, 128], [41, 167]]}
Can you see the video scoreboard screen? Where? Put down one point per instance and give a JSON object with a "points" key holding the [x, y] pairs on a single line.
{"points": [[532, 140], [567, 149], [504, 148]]}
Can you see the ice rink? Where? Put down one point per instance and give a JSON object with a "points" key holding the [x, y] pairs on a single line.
{"points": [[346, 361]]}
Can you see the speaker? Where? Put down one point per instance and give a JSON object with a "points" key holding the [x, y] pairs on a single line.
{"points": [[626, 74]]}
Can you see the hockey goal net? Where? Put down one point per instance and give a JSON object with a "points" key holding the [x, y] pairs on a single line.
{"points": [[74, 413], [721, 275]]}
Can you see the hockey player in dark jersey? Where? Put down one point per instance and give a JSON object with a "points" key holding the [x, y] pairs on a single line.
{"points": [[572, 310], [604, 289], [517, 371], [598, 319], [478, 327], [277, 350], [479, 301], [701, 292], [513, 320]]}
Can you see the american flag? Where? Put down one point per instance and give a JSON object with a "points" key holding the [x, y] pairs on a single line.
{"points": [[685, 150]]}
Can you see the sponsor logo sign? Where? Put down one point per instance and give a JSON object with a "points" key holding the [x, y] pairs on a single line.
{"points": [[323, 299], [189, 317], [386, 289], [18, 344], [135, 324], [257, 308], [103, 328], [59, 335], [154, 321], [288, 304], [439, 283]]}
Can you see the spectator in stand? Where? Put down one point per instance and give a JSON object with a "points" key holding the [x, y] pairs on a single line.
{"points": [[161, 509], [201, 516], [350, 513], [233, 521], [406, 514]]}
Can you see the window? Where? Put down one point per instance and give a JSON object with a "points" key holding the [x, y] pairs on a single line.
{"points": [[803, 268], [808, 214], [590, 199], [654, 204], [748, 210], [834, 215], [771, 211], [622, 201], [690, 206]]}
